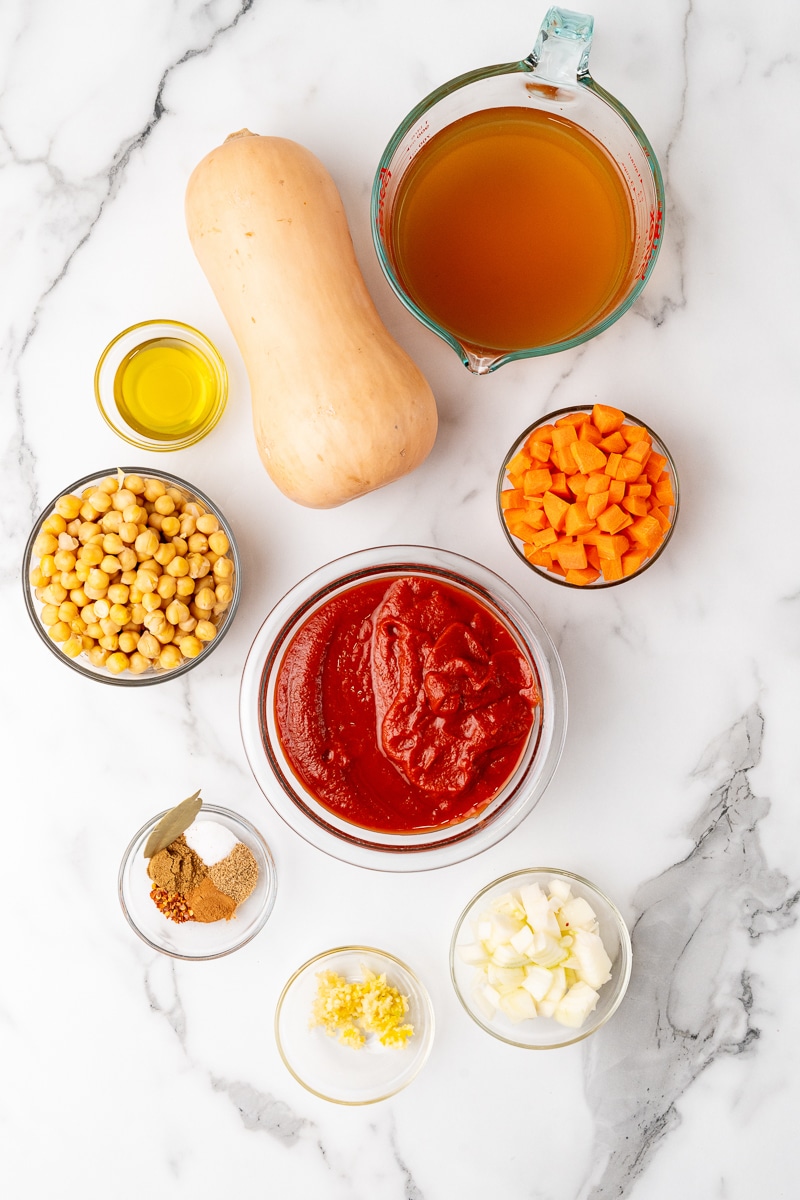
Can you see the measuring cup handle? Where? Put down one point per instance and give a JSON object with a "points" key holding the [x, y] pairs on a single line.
{"points": [[561, 53]]}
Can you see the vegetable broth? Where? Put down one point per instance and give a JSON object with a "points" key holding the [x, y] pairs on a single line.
{"points": [[513, 228], [165, 389]]}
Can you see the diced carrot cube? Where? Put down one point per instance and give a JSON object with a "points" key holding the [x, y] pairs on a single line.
{"points": [[540, 557], [592, 557], [613, 462], [616, 491], [562, 458], [639, 489], [606, 418], [559, 485], [574, 418], [640, 451], [571, 556], [628, 469], [582, 578], [564, 435], [612, 519], [577, 485], [542, 433], [556, 510], [588, 457], [646, 531], [662, 518], [634, 433], [520, 462], [612, 545], [655, 465], [539, 451], [511, 498], [612, 569], [536, 481], [636, 506], [578, 520], [596, 503], [615, 443], [589, 433], [524, 523], [545, 537], [632, 561], [664, 492], [597, 482]]}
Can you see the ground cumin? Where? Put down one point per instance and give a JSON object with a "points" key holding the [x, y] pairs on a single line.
{"points": [[177, 868], [237, 874]]}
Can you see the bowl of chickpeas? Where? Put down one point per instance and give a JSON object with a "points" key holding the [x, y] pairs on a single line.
{"points": [[131, 577]]}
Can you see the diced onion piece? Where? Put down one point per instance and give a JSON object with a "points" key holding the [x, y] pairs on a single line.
{"points": [[595, 965], [518, 1005], [575, 1006]]}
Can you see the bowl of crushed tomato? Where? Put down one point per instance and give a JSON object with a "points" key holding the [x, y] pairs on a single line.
{"points": [[403, 708]]}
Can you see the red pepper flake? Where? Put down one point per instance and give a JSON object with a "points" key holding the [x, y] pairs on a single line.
{"points": [[172, 904]]}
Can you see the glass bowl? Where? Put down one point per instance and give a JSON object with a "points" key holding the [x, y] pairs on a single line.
{"points": [[341, 1073], [192, 369], [524, 548], [543, 1032], [194, 939], [299, 807], [82, 663]]}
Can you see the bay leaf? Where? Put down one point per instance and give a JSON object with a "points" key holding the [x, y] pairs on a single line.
{"points": [[173, 824]]}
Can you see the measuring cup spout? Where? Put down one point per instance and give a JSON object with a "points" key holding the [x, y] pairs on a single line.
{"points": [[480, 362], [561, 53]]}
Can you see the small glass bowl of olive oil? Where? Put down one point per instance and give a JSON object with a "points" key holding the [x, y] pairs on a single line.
{"points": [[161, 385]]}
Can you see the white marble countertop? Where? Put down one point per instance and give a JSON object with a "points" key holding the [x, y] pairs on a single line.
{"points": [[128, 1074]]}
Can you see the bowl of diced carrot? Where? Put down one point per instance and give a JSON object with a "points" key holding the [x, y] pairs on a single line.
{"points": [[588, 496]]}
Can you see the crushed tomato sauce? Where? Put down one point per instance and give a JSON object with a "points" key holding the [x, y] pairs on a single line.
{"points": [[404, 705]]}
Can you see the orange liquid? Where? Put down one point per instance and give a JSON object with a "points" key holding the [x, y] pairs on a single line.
{"points": [[513, 229]]}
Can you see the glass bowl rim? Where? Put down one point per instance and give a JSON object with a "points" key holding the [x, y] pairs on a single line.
{"points": [[626, 952], [146, 679], [424, 1051], [529, 780], [269, 898], [599, 585], [141, 442]]}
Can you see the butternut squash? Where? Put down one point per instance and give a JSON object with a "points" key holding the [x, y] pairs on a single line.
{"points": [[339, 409]]}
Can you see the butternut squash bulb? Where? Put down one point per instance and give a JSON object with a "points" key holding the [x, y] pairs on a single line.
{"points": [[339, 409]]}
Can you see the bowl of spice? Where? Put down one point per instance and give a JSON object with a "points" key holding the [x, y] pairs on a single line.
{"points": [[354, 1025], [197, 881]]}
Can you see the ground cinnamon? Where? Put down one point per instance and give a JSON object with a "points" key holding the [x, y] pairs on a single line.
{"points": [[208, 903]]}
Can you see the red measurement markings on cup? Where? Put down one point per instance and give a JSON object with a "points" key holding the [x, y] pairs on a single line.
{"points": [[653, 237], [385, 176]]}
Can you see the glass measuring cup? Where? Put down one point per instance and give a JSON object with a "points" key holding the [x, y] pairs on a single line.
{"points": [[554, 81]]}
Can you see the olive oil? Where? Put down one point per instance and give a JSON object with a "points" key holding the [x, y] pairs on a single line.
{"points": [[165, 389], [513, 228]]}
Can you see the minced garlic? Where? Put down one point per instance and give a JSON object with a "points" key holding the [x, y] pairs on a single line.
{"points": [[350, 1010]]}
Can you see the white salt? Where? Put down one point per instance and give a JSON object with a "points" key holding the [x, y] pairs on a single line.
{"points": [[210, 840]]}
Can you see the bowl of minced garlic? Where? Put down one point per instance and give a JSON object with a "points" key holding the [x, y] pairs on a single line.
{"points": [[354, 1025], [198, 881]]}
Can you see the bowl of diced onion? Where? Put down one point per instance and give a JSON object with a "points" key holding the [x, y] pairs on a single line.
{"points": [[540, 958]]}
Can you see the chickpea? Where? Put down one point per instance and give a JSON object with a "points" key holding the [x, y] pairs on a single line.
{"points": [[68, 507], [70, 580], [128, 531], [189, 625], [198, 543], [181, 545], [119, 614], [177, 496], [109, 642], [54, 593], [135, 514], [179, 566], [164, 505], [170, 526], [118, 593], [94, 630], [36, 577], [46, 543], [128, 641], [138, 664], [206, 631], [113, 543], [98, 578], [165, 553], [87, 613], [127, 558], [123, 499], [219, 543], [59, 631], [146, 581], [151, 601], [154, 521], [78, 596], [67, 542], [188, 525], [190, 646], [135, 593], [205, 599], [223, 568], [154, 488], [100, 501], [135, 484], [110, 484], [166, 587], [207, 523], [98, 656], [199, 565], [176, 612], [47, 566], [185, 587], [54, 524], [49, 614], [138, 612], [127, 578], [169, 658], [94, 593], [109, 626], [64, 560], [73, 646], [91, 555], [111, 521], [68, 611], [117, 662], [149, 646], [147, 544], [110, 564]]}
